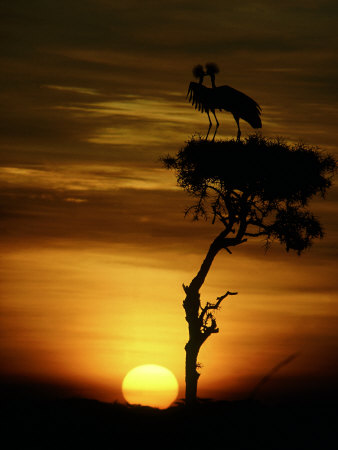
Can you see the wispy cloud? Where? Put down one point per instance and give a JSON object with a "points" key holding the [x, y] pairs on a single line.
{"points": [[82, 178], [75, 89]]}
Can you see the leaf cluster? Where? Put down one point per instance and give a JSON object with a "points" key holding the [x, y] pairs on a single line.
{"points": [[258, 186]]}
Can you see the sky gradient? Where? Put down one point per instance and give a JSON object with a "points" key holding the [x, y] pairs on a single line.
{"points": [[94, 243]]}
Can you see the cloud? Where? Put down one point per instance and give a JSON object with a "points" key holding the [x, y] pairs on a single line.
{"points": [[76, 200], [78, 90], [137, 60], [86, 178]]}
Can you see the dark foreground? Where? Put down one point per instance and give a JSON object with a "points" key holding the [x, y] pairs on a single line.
{"points": [[76, 423]]}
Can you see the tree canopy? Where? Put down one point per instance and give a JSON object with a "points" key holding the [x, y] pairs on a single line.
{"points": [[255, 187]]}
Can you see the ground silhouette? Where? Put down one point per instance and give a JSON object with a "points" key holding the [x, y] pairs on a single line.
{"points": [[254, 188], [83, 423]]}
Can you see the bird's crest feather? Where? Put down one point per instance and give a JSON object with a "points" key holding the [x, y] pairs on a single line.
{"points": [[198, 71], [212, 68]]}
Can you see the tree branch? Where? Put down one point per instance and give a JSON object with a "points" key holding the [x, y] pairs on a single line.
{"points": [[216, 305], [260, 233], [214, 248], [232, 242]]}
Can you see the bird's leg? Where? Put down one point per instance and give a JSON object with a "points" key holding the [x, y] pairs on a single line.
{"points": [[217, 125], [210, 124], [239, 130]]}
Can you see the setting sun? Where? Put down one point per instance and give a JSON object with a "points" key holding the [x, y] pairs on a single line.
{"points": [[150, 385]]}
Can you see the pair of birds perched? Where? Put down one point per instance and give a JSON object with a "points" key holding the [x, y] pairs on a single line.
{"points": [[222, 98]]}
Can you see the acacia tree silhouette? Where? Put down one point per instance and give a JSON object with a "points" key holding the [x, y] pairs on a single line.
{"points": [[252, 188]]}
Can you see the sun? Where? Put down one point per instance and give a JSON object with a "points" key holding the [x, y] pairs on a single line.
{"points": [[150, 385]]}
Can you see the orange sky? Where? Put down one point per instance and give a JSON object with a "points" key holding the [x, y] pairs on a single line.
{"points": [[95, 246]]}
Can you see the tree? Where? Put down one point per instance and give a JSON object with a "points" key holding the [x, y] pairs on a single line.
{"points": [[257, 187]]}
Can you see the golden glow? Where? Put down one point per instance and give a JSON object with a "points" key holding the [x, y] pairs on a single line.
{"points": [[60, 305], [95, 245], [150, 385], [81, 178]]}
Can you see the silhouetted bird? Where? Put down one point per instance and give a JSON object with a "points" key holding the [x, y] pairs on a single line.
{"points": [[200, 95], [222, 98]]}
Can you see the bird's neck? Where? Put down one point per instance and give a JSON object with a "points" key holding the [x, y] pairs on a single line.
{"points": [[212, 77]]}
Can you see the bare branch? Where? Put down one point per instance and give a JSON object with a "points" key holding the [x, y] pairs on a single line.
{"points": [[212, 306], [206, 317], [214, 208], [209, 329], [232, 242], [219, 192], [260, 233]]}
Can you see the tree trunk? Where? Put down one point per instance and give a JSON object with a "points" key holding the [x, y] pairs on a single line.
{"points": [[199, 331], [191, 374], [192, 305]]}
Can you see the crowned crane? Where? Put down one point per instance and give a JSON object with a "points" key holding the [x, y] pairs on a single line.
{"points": [[223, 98], [200, 96]]}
